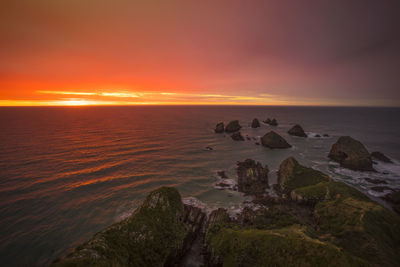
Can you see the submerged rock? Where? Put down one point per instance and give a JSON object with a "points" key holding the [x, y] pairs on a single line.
{"points": [[219, 128], [255, 123], [237, 136], [252, 177], [274, 140], [381, 157], [297, 130], [233, 126], [351, 154], [156, 234]]}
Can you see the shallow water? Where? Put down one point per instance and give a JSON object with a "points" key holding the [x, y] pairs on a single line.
{"points": [[66, 173]]}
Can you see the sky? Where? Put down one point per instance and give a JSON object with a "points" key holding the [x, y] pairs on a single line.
{"points": [[120, 52]]}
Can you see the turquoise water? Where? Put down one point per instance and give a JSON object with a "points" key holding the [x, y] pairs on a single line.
{"points": [[66, 173]]}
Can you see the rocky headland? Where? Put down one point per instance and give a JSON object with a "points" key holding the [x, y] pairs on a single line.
{"points": [[314, 221]]}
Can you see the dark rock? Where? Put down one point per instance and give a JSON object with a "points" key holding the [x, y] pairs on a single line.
{"points": [[325, 135], [317, 135], [252, 177], [267, 121], [297, 130], [209, 148], [274, 122], [274, 140], [248, 138], [233, 126], [351, 154], [393, 197], [237, 136], [257, 143], [222, 174], [375, 181], [219, 128], [218, 216], [381, 157], [255, 123], [381, 188]]}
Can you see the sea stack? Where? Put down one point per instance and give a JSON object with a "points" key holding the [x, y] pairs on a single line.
{"points": [[255, 123], [297, 130], [274, 122], [219, 128], [233, 126], [252, 177], [274, 140], [351, 154]]}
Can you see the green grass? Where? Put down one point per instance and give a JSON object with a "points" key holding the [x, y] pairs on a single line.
{"points": [[147, 238], [280, 247]]}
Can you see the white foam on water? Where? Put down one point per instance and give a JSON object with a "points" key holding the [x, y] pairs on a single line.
{"points": [[313, 135], [379, 194], [194, 202]]}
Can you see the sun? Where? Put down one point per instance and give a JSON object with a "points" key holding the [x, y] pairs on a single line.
{"points": [[75, 102]]}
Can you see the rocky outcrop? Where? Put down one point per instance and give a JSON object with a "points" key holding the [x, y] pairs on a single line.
{"points": [[219, 128], [292, 175], [274, 140], [255, 123], [233, 126], [237, 136], [273, 122], [252, 177], [351, 154], [381, 157], [158, 233], [297, 130]]}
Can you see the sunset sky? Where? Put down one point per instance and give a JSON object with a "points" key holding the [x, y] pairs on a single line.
{"points": [[83, 52]]}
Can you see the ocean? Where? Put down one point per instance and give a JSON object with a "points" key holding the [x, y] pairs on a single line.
{"points": [[68, 172]]}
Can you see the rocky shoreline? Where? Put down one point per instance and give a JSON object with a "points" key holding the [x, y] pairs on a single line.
{"points": [[312, 220]]}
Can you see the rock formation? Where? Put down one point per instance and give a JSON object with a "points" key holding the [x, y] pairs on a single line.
{"points": [[274, 140], [255, 123], [274, 122], [381, 157], [233, 126], [237, 136], [219, 128], [292, 175], [252, 177], [351, 154], [297, 130]]}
